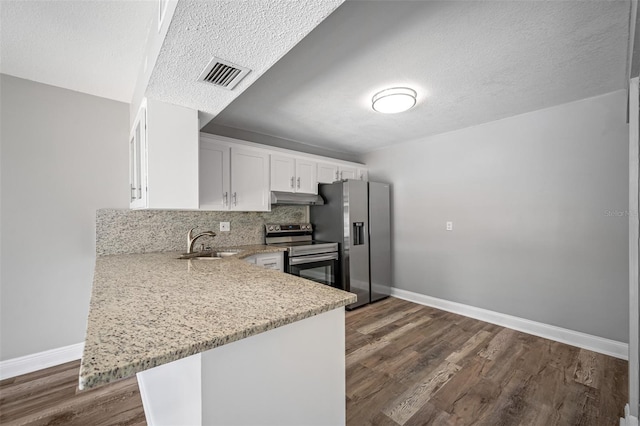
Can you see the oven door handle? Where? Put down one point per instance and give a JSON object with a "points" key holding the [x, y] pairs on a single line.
{"points": [[312, 259]]}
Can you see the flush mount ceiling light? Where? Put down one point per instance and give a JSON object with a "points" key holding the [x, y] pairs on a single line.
{"points": [[391, 101]]}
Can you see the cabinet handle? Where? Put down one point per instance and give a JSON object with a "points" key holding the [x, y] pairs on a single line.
{"points": [[140, 192], [225, 199], [298, 183], [133, 193], [341, 177], [235, 199], [292, 182], [337, 176]]}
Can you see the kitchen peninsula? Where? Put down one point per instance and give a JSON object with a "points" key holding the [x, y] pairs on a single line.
{"points": [[217, 341]]}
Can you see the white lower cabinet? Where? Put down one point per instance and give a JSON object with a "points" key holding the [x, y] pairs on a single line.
{"points": [[273, 261], [233, 178]]}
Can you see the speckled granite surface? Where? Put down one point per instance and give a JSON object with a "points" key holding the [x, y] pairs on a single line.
{"points": [[151, 309], [144, 231]]}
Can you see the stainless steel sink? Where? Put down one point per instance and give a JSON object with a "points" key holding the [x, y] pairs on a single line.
{"points": [[227, 253], [199, 255], [209, 254]]}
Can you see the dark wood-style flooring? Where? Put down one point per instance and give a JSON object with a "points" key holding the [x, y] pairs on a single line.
{"points": [[50, 397], [407, 364]]}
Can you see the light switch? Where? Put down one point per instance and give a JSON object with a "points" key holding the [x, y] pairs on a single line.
{"points": [[449, 226], [225, 226]]}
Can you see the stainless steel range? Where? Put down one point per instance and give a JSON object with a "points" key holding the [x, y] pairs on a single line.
{"points": [[305, 257]]}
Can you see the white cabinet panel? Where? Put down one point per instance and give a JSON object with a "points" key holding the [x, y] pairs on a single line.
{"points": [[273, 261], [214, 176], [363, 174], [164, 157], [283, 171], [249, 180], [233, 178], [138, 161], [327, 172], [247, 173], [348, 172], [306, 176], [290, 174]]}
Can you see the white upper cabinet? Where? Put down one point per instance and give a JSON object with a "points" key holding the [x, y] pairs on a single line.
{"points": [[327, 173], [215, 162], [290, 174], [363, 174], [283, 173], [347, 172], [233, 178], [163, 157], [250, 180], [331, 172], [238, 175], [138, 161], [306, 176]]}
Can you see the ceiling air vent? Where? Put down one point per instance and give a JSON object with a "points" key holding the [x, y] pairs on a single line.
{"points": [[223, 73]]}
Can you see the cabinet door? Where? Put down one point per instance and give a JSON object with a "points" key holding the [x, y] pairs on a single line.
{"points": [[138, 161], [306, 176], [214, 176], [348, 173], [270, 261], [363, 174], [283, 172], [251, 259], [327, 173], [249, 180]]}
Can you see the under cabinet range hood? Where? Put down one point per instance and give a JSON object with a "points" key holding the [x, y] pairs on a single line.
{"points": [[290, 198]]}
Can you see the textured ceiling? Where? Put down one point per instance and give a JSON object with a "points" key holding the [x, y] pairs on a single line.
{"points": [[94, 47], [253, 34], [471, 62]]}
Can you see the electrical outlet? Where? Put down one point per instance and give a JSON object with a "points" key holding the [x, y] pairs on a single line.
{"points": [[449, 226], [225, 226]]}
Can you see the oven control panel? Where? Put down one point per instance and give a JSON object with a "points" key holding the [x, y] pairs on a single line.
{"points": [[287, 228]]}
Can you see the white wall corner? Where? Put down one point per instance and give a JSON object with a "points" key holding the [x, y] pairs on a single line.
{"points": [[38, 361], [628, 419], [559, 334]]}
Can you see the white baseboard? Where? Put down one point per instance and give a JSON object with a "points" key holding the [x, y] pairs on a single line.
{"points": [[563, 335], [628, 419], [34, 362]]}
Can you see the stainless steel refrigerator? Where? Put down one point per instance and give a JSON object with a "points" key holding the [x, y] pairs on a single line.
{"points": [[356, 215]]}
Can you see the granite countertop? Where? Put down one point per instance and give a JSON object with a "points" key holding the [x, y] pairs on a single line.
{"points": [[150, 309]]}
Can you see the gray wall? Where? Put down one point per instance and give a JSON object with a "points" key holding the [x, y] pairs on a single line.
{"points": [[63, 155], [538, 204]]}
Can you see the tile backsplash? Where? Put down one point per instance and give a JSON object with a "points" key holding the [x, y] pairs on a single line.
{"points": [[141, 231]]}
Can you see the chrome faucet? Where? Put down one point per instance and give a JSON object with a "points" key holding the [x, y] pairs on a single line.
{"points": [[191, 239]]}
